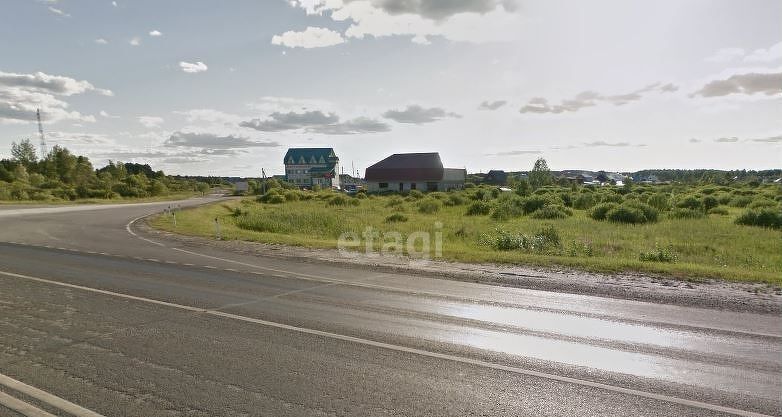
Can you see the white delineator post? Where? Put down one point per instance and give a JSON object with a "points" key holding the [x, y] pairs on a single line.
{"points": [[217, 229]]}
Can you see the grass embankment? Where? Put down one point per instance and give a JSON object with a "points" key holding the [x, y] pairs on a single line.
{"points": [[710, 246], [119, 200]]}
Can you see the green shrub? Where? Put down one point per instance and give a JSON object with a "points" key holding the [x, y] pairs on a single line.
{"points": [[291, 195], [600, 211], [338, 200], [478, 208], [396, 217], [455, 199], [762, 202], [740, 201], [723, 211], [546, 240], [395, 201], [659, 255], [709, 202], [552, 211], [690, 202], [584, 201], [610, 197], [650, 213], [685, 213], [415, 194], [626, 214], [508, 207], [429, 206], [762, 217], [275, 199], [533, 203]]}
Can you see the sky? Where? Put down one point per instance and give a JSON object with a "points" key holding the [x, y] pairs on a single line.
{"points": [[224, 88]]}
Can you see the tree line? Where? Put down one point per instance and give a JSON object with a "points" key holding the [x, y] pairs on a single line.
{"points": [[61, 175]]}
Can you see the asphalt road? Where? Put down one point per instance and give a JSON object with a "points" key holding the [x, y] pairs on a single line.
{"points": [[113, 321]]}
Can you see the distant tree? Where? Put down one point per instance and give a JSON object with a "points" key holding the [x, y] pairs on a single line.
{"points": [[202, 187], [24, 153], [540, 174], [523, 188]]}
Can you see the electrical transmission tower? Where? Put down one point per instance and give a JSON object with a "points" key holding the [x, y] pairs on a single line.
{"points": [[40, 133]]}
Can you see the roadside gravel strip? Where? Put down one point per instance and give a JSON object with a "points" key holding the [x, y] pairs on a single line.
{"points": [[720, 294]]}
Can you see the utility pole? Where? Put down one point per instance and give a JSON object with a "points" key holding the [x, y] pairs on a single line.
{"points": [[40, 133], [263, 182]]}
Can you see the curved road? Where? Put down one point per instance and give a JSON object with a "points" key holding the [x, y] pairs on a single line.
{"points": [[116, 323]]}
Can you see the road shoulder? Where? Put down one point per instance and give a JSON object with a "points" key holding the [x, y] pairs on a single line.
{"points": [[708, 293]]}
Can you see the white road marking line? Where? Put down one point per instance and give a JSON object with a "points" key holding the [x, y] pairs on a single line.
{"points": [[405, 349], [22, 407], [47, 398], [128, 228]]}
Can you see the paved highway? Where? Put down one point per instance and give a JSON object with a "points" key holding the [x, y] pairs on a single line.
{"points": [[96, 317]]}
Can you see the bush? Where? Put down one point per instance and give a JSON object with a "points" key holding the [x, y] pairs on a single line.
{"points": [[508, 208], [723, 211], [396, 217], [395, 201], [740, 201], [416, 194], [659, 255], [478, 208], [275, 199], [763, 217], [600, 211], [338, 200], [690, 202], [761, 203], [709, 202], [291, 196], [685, 213], [649, 212], [584, 201], [455, 200], [660, 201], [428, 206], [546, 240], [531, 204], [626, 214], [552, 211]]}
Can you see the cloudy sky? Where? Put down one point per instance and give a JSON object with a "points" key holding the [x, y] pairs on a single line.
{"points": [[225, 87]]}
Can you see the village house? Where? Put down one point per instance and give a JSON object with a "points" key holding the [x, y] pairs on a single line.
{"points": [[413, 171], [496, 177], [308, 167]]}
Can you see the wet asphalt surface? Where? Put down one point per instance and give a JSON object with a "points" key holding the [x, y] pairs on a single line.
{"points": [[120, 356]]}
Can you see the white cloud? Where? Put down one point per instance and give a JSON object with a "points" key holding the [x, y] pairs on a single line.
{"points": [[209, 116], [114, 3], [105, 114], [136, 41], [773, 53], [193, 68], [22, 94], [101, 41], [312, 37], [155, 33], [474, 21], [151, 121], [58, 12], [726, 55]]}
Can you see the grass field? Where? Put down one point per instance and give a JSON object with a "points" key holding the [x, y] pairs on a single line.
{"points": [[710, 246]]}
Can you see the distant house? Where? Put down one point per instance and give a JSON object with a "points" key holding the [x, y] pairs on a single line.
{"points": [[308, 167], [413, 171], [496, 177], [350, 183]]}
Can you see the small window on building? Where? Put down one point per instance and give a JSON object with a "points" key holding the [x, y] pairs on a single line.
{"points": [[412, 186], [383, 185], [431, 186]]}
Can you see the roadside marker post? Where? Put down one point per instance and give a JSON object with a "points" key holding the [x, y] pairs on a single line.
{"points": [[217, 229], [173, 215]]}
